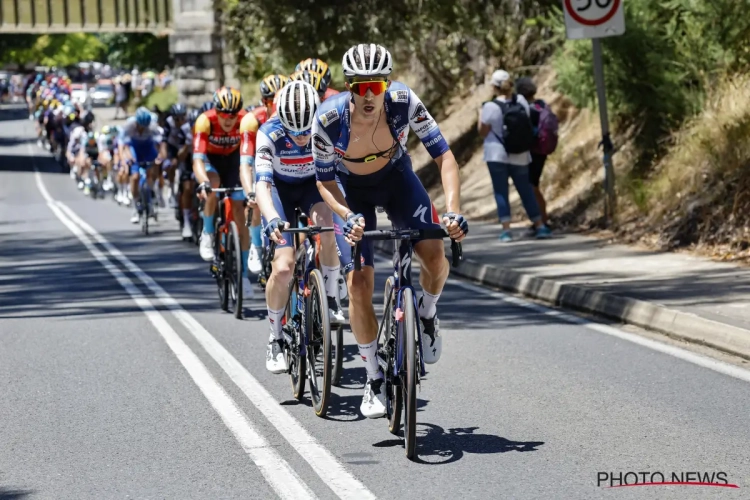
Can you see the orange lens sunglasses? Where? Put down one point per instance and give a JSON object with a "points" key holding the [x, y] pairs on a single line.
{"points": [[376, 86]]}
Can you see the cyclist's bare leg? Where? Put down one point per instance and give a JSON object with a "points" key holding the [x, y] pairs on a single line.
{"points": [[210, 206], [362, 317], [238, 213], [434, 268], [277, 287]]}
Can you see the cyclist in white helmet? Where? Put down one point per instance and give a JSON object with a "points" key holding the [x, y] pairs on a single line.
{"points": [[285, 180], [360, 141]]}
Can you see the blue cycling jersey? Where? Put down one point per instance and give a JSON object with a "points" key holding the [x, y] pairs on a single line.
{"points": [[403, 110], [278, 157]]}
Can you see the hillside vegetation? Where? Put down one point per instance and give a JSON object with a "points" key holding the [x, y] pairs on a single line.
{"points": [[675, 80]]}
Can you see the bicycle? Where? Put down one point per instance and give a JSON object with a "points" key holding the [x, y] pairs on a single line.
{"points": [[145, 195], [305, 326], [226, 268], [401, 350], [94, 186]]}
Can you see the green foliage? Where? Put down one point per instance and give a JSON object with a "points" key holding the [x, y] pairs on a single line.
{"points": [[453, 41], [161, 98], [658, 72], [144, 50], [50, 50]]}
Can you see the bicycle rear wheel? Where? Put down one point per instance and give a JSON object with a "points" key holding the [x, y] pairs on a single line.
{"points": [[409, 370], [233, 259], [319, 349], [393, 391]]}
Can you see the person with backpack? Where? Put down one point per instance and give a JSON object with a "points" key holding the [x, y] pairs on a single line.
{"points": [[545, 126], [505, 124]]}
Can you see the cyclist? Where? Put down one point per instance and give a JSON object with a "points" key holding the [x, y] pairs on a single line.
{"points": [[87, 153], [76, 133], [285, 180], [216, 162], [176, 144], [106, 144], [321, 68], [139, 139], [363, 134], [269, 89]]}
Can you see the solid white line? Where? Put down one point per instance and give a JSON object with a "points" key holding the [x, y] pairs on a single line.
{"points": [[322, 461], [690, 357], [274, 469]]}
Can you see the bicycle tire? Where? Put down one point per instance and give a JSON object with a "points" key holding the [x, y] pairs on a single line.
{"points": [[393, 393], [294, 362], [337, 339], [409, 379], [220, 261], [144, 209], [318, 330], [234, 268]]}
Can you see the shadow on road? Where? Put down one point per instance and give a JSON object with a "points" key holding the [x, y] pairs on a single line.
{"points": [[435, 446], [11, 494]]}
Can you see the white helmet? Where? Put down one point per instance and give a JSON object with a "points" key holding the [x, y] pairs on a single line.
{"points": [[378, 63], [297, 103]]}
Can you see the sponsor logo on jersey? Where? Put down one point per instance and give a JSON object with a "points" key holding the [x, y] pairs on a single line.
{"points": [[329, 117], [399, 95], [434, 141], [276, 135], [288, 144], [402, 133], [420, 114], [264, 153], [428, 125], [224, 140], [320, 143]]}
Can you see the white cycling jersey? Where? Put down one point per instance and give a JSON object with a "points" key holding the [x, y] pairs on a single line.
{"points": [[77, 134], [130, 135]]}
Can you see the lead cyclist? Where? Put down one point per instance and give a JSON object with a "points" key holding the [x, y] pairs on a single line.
{"points": [[360, 137]]}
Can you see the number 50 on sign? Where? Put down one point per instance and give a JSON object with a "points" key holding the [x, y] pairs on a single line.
{"points": [[593, 18]]}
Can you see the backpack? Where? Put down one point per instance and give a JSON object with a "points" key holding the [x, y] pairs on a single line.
{"points": [[546, 130], [518, 133]]}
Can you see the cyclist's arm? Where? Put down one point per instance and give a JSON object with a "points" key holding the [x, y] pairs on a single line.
{"points": [[428, 131], [187, 144], [200, 146], [264, 176], [325, 159], [248, 132]]}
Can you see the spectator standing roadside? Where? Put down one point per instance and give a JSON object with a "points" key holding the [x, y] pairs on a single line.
{"points": [[545, 131], [121, 98], [508, 135]]}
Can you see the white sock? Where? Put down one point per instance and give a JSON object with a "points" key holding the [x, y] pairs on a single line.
{"points": [[370, 357], [186, 215], [331, 278], [427, 305], [274, 317]]}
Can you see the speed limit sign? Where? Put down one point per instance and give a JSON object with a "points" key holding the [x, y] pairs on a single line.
{"points": [[593, 18]]}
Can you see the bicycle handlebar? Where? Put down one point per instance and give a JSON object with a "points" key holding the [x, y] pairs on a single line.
{"points": [[308, 230], [408, 234]]}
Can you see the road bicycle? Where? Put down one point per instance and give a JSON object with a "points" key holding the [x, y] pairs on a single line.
{"points": [[145, 195], [308, 348], [399, 335]]}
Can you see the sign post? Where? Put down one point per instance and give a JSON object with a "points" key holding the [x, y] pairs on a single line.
{"points": [[597, 19]]}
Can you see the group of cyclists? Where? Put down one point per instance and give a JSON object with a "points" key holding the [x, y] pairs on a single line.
{"points": [[335, 156]]}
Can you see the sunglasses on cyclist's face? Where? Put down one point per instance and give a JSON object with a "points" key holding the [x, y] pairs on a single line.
{"points": [[299, 134], [226, 116], [376, 86]]}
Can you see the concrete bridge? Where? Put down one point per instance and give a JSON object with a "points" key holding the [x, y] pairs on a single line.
{"points": [[193, 26]]}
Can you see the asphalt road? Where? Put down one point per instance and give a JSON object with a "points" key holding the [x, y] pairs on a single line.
{"points": [[121, 378]]}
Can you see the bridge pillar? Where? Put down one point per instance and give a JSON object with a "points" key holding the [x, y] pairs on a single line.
{"points": [[201, 63]]}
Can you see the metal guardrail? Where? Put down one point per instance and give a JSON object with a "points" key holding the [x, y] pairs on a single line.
{"points": [[69, 16]]}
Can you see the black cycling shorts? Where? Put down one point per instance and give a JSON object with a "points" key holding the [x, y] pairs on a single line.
{"points": [[227, 166]]}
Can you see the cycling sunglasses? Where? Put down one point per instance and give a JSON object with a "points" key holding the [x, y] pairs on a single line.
{"points": [[376, 86], [299, 134], [226, 116]]}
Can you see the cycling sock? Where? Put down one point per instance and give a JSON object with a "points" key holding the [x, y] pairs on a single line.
{"points": [[255, 234], [369, 356], [274, 317], [208, 224], [186, 215], [245, 254], [427, 305], [331, 278]]}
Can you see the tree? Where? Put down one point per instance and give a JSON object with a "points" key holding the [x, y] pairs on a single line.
{"points": [[144, 50]]}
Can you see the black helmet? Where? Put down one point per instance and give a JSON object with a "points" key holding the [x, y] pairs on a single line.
{"points": [[87, 118], [179, 110], [207, 105]]}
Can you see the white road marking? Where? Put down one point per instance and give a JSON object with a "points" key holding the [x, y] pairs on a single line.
{"points": [[322, 461], [272, 466], [690, 357]]}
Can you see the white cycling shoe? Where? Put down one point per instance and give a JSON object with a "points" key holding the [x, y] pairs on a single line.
{"points": [[432, 342], [136, 218], [254, 264], [206, 248], [373, 402], [187, 231], [275, 361]]}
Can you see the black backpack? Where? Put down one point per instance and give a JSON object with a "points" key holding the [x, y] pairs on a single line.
{"points": [[518, 133]]}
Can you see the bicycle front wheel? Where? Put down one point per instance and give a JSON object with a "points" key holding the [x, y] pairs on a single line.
{"points": [[409, 370], [295, 362], [222, 282], [234, 268], [393, 392], [319, 349], [144, 209]]}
